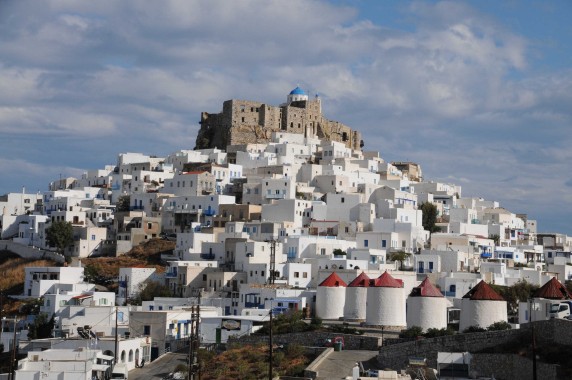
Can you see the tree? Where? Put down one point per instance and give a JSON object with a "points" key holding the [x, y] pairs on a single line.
{"points": [[42, 327], [150, 290], [521, 291], [338, 252], [123, 203], [60, 235], [400, 256], [430, 212], [412, 332], [496, 238]]}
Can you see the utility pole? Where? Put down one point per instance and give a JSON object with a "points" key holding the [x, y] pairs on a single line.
{"points": [[191, 343], [12, 374], [116, 333], [194, 370], [270, 348], [272, 260]]}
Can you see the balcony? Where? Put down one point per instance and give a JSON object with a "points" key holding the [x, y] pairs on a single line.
{"points": [[275, 196], [172, 274], [207, 256], [209, 212]]}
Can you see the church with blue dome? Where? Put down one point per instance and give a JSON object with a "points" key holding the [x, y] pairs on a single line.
{"points": [[246, 122]]}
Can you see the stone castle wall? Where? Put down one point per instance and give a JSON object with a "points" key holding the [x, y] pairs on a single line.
{"points": [[246, 122]]}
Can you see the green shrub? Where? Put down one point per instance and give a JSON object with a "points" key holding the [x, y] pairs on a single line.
{"points": [[499, 326], [473, 329], [433, 332], [412, 332]]}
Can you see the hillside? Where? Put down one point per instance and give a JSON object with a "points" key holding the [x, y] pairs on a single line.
{"points": [[12, 279], [105, 270], [102, 271], [251, 362]]}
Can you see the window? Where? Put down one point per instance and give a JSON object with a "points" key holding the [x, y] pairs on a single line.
{"points": [[305, 274], [296, 274], [343, 199], [366, 243], [383, 243]]}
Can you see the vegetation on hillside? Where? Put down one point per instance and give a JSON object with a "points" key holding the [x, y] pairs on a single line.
{"points": [[12, 281], [105, 270], [251, 362], [291, 322]]}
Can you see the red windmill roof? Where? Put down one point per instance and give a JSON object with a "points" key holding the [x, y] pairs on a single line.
{"points": [[426, 289], [387, 281], [360, 281], [333, 280], [554, 290], [483, 291]]}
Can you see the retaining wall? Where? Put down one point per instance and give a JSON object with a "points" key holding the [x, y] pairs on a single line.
{"points": [[28, 252], [315, 338], [556, 331], [510, 366]]}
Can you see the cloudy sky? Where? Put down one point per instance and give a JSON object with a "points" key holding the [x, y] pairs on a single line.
{"points": [[479, 93]]}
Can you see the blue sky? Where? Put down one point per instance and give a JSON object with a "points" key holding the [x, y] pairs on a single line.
{"points": [[479, 92]]}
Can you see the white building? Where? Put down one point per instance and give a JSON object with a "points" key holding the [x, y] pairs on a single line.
{"points": [[41, 280], [55, 364]]}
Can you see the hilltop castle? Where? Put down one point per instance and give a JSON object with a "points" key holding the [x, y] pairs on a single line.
{"points": [[243, 122]]}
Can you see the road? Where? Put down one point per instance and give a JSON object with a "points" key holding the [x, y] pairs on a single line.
{"points": [[160, 368], [339, 364]]}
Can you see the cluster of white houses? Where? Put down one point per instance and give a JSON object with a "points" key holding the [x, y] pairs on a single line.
{"points": [[296, 223]]}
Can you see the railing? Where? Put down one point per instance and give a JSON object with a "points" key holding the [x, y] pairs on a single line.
{"points": [[275, 196]]}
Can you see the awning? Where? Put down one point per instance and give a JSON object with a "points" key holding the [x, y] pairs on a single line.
{"points": [[105, 357], [82, 296], [99, 367]]}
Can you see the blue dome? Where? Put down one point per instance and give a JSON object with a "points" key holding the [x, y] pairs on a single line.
{"points": [[297, 91]]}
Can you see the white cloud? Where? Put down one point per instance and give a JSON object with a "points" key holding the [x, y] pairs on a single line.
{"points": [[456, 91]]}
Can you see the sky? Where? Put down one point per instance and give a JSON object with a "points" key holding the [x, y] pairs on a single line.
{"points": [[479, 93]]}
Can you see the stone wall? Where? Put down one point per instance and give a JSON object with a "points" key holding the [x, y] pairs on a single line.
{"points": [[510, 366], [28, 252], [556, 331], [314, 338], [397, 356]]}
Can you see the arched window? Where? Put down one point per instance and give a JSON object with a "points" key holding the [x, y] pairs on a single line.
{"points": [[123, 356], [130, 356]]}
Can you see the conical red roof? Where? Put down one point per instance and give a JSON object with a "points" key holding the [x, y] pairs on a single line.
{"points": [[386, 281], [426, 289], [360, 281], [333, 280], [483, 291], [553, 290]]}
